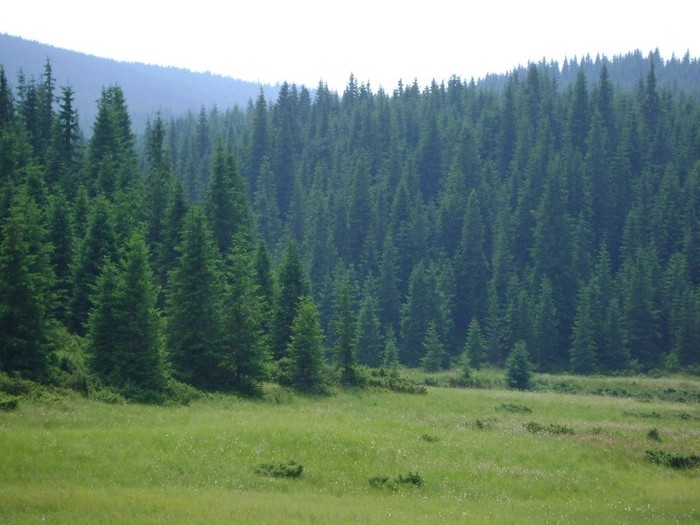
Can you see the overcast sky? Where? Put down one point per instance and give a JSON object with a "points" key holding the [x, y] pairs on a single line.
{"points": [[380, 41]]}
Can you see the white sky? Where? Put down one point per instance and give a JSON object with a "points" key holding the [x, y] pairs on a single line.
{"points": [[380, 41]]}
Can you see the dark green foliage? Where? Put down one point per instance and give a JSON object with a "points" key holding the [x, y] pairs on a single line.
{"points": [[676, 461], [518, 368], [554, 210], [551, 428], [291, 469], [654, 434], [245, 351], [97, 246], [411, 480], [305, 351], [435, 357], [292, 285], [25, 300], [475, 347], [125, 333], [195, 306]]}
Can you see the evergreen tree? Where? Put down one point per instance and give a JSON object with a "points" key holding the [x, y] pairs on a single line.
{"points": [[390, 358], [475, 347], [134, 343], [195, 306], [305, 349], [435, 356], [583, 343], [245, 353], [345, 331], [99, 243], [518, 368], [292, 284], [369, 338], [227, 204], [24, 315]]}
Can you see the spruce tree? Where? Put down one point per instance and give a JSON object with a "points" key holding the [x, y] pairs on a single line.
{"points": [[583, 343], [305, 348], [245, 352], [474, 353], [292, 284], [23, 302], [390, 357], [369, 337], [435, 356], [518, 368], [137, 364], [345, 331], [195, 307]]}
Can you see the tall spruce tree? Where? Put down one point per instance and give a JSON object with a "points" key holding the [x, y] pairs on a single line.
{"points": [[195, 306], [305, 349]]}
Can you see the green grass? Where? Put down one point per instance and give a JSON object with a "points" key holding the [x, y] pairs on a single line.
{"points": [[66, 459]]}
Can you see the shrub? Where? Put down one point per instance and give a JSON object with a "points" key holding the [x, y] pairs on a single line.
{"points": [[430, 438], [518, 368], [654, 434], [290, 469], [8, 403], [677, 461], [552, 428], [515, 408], [411, 479]]}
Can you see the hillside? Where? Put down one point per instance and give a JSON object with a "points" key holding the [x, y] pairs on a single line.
{"points": [[147, 88]]}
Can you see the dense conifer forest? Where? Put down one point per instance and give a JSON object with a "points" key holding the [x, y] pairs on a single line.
{"points": [[295, 239]]}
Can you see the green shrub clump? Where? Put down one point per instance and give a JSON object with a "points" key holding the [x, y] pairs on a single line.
{"points": [[677, 461], [552, 428], [411, 479], [290, 469]]}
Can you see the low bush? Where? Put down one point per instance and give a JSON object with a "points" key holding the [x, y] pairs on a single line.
{"points": [[411, 479], [430, 438], [290, 469], [8, 403], [654, 434], [515, 408], [552, 428], [676, 461]]}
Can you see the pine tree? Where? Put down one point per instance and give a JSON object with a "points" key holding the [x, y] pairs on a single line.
{"points": [[136, 364], [435, 356], [369, 338], [475, 346], [305, 348], [390, 357], [583, 344], [518, 368], [99, 243], [227, 203], [195, 306], [245, 353], [292, 284], [345, 330], [24, 303]]}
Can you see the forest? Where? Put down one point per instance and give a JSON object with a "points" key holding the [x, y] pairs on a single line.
{"points": [[310, 239]]}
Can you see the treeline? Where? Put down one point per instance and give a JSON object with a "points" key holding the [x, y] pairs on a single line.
{"points": [[426, 227]]}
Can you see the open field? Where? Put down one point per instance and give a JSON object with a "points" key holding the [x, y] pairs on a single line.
{"points": [[481, 456]]}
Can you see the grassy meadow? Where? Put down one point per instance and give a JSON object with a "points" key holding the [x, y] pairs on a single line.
{"points": [[451, 456]]}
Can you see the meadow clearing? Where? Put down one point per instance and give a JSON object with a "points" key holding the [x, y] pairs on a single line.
{"points": [[454, 455]]}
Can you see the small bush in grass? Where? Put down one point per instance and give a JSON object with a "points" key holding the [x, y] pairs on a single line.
{"points": [[677, 461], [654, 434], [290, 469], [515, 408], [410, 479], [8, 403], [484, 424], [430, 438], [552, 428]]}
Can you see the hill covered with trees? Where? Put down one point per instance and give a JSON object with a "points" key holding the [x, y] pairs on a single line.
{"points": [[148, 88], [439, 225]]}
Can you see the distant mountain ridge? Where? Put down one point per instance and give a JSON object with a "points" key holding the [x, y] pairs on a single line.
{"points": [[147, 88]]}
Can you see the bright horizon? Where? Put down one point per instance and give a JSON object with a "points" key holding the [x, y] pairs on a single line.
{"points": [[378, 42]]}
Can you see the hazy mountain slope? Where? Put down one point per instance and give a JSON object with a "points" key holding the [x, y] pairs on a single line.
{"points": [[147, 88]]}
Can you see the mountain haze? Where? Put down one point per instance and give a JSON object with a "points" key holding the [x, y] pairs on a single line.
{"points": [[147, 88]]}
